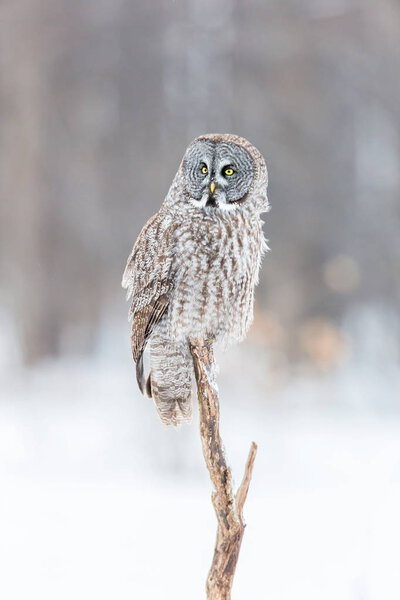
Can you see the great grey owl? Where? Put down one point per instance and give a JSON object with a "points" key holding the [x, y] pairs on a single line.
{"points": [[193, 268]]}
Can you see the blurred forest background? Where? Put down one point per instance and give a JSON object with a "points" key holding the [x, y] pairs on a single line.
{"points": [[98, 101]]}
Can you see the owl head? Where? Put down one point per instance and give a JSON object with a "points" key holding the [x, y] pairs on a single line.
{"points": [[224, 172]]}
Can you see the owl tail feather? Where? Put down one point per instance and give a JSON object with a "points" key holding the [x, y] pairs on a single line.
{"points": [[140, 374], [170, 380]]}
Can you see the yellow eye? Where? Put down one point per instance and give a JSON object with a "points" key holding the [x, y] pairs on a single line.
{"points": [[204, 170], [228, 171]]}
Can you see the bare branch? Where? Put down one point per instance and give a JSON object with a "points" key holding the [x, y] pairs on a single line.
{"points": [[229, 510], [241, 494]]}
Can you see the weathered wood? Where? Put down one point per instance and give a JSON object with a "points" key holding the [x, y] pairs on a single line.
{"points": [[228, 507]]}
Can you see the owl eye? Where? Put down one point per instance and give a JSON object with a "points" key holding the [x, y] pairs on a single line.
{"points": [[228, 171], [204, 169]]}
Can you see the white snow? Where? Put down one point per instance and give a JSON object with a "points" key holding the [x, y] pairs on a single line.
{"points": [[99, 500]]}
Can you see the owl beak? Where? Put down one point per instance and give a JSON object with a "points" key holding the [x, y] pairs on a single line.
{"points": [[212, 187]]}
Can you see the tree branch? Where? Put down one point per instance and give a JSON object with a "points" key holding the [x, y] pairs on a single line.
{"points": [[228, 508]]}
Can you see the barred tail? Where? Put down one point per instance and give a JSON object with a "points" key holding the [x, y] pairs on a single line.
{"points": [[170, 380]]}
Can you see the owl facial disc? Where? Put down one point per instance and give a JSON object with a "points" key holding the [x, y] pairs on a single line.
{"points": [[217, 174]]}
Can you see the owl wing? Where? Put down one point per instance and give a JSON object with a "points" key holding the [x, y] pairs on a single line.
{"points": [[148, 278]]}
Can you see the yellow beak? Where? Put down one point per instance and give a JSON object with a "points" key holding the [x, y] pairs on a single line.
{"points": [[212, 187]]}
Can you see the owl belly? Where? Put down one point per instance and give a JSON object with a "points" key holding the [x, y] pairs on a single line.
{"points": [[215, 273]]}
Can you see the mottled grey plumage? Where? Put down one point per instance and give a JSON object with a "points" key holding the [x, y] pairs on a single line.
{"points": [[194, 266]]}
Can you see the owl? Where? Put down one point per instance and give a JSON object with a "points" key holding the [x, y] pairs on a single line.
{"points": [[193, 269]]}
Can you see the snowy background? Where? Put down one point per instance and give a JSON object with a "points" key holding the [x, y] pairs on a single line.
{"points": [[98, 100]]}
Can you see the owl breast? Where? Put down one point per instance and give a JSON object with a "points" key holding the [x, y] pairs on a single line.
{"points": [[216, 263]]}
